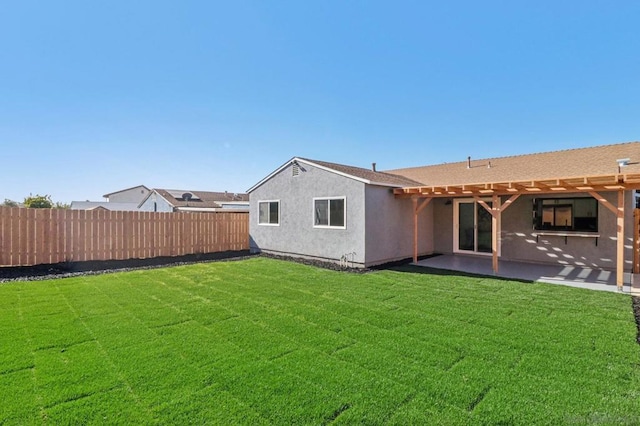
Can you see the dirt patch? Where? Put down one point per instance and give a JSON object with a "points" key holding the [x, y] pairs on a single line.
{"points": [[635, 301]]}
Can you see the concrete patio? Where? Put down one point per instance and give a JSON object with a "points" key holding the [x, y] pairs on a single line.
{"points": [[574, 276]]}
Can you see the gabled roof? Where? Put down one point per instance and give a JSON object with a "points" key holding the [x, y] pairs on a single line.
{"points": [[127, 189], [357, 173], [371, 177], [200, 199], [565, 164]]}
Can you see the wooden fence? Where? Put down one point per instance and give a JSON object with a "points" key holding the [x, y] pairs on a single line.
{"points": [[41, 236]]}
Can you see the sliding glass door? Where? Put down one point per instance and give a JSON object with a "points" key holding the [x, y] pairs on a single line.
{"points": [[473, 226]]}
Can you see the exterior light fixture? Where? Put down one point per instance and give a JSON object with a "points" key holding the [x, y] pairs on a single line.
{"points": [[622, 162]]}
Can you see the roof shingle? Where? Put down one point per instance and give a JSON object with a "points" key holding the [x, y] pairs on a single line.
{"points": [[570, 163], [381, 178], [207, 199]]}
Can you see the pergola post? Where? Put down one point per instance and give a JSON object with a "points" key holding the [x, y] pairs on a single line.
{"points": [[495, 231], [620, 241], [496, 210], [619, 212], [416, 210]]}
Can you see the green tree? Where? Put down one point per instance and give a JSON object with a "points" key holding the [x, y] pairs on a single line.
{"points": [[59, 205], [38, 201], [9, 203]]}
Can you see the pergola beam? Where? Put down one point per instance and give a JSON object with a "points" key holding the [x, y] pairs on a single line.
{"points": [[540, 186], [604, 202], [620, 241]]}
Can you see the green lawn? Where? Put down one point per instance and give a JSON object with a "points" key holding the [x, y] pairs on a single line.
{"points": [[262, 341]]}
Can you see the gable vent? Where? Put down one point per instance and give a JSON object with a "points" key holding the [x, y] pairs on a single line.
{"points": [[295, 171]]}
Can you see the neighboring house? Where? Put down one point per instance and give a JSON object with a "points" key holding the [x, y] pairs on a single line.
{"points": [[130, 195], [571, 207], [172, 200], [105, 205], [123, 200]]}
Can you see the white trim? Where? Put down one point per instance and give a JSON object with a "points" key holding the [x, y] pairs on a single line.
{"points": [[211, 209], [233, 203], [150, 194], [258, 215], [126, 189], [313, 212], [328, 169]]}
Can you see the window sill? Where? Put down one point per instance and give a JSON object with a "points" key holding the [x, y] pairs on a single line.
{"points": [[568, 234]]}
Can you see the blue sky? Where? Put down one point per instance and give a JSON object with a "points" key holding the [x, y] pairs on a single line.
{"points": [[97, 96]]}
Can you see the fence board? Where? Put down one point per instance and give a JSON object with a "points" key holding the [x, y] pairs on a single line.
{"points": [[37, 236]]}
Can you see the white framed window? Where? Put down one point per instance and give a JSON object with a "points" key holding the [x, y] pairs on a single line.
{"points": [[269, 212], [330, 212]]}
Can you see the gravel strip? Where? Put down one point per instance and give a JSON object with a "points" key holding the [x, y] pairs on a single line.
{"points": [[75, 269], [635, 301]]}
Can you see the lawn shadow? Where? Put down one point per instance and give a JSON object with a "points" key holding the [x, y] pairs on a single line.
{"points": [[415, 269]]}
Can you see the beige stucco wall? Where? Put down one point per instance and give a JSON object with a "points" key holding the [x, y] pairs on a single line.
{"points": [[389, 227], [519, 242]]}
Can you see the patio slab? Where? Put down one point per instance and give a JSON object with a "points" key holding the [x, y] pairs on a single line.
{"points": [[574, 276]]}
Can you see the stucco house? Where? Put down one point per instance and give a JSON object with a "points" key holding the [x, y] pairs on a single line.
{"points": [[103, 205], [572, 207], [174, 200], [134, 194], [126, 199]]}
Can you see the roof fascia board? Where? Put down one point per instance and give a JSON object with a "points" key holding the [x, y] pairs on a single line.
{"points": [[165, 198], [210, 209], [363, 180], [272, 174], [153, 191], [310, 163], [329, 169], [127, 189], [388, 185]]}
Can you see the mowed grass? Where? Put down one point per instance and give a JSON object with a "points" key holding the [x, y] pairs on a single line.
{"points": [[262, 341]]}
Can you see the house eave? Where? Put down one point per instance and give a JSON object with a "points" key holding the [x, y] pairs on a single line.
{"points": [[321, 167], [126, 189], [153, 191], [584, 184]]}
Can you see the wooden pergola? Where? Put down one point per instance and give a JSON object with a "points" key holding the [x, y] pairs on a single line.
{"points": [[592, 185]]}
